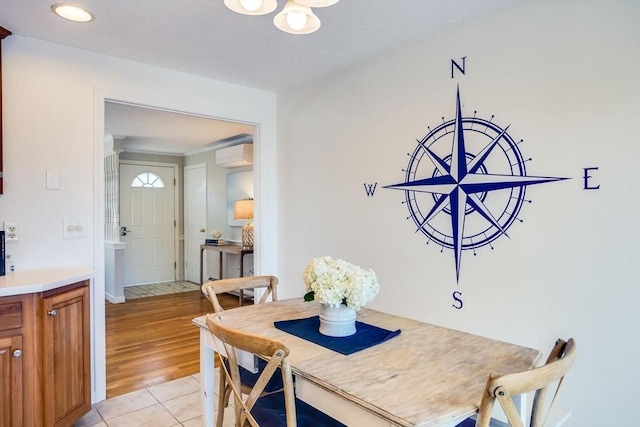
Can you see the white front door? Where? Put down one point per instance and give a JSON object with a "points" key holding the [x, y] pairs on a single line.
{"points": [[147, 213], [195, 219]]}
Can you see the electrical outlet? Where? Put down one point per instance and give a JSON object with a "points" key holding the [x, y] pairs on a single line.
{"points": [[11, 232], [10, 264]]}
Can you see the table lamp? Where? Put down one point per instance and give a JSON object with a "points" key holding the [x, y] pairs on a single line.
{"points": [[243, 209]]}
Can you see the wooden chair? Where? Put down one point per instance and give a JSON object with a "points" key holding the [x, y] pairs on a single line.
{"points": [[257, 408], [216, 287], [502, 388], [211, 290]]}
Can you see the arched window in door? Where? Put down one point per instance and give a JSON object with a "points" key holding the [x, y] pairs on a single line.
{"points": [[147, 180]]}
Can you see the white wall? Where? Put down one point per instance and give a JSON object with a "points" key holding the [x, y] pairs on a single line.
{"points": [[564, 75], [53, 114], [49, 92]]}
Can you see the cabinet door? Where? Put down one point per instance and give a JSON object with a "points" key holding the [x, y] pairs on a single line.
{"points": [[11, 397], [66, 373]]}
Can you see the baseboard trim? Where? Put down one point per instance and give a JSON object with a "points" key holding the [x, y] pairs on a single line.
{"points": [[113, 299]]}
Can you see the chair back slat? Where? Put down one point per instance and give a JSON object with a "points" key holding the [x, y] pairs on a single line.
{"points": [[509, 407], [502, 388], [274, 351], [563, 354], [252, 343], [215, 287]]}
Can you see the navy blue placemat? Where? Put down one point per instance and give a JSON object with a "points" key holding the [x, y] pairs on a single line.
{"points": [[308, 328]]}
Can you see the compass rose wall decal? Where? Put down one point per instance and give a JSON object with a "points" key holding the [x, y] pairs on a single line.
{"points": [[465, 184]]}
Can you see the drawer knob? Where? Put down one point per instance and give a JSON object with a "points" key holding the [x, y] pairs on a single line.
{"points": [[52, 313], [17, 353]]}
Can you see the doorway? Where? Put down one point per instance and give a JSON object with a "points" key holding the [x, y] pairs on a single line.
{"points": [[182, 240]]}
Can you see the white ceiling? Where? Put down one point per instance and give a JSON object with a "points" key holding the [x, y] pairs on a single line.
{"points": [[204, 38], [156, 131]]}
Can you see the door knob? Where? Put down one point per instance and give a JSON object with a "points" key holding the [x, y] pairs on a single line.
{"points": [[124, 231]]}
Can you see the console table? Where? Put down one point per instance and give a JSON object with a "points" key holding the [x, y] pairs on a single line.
{"points": [[227, 249]]}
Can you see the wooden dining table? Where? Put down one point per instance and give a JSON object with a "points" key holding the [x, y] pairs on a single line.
{"points": [[428, 375]]}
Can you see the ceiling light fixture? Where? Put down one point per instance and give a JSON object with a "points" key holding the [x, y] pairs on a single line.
{"points": [[72, 13], [295, 18], [252, 7]]}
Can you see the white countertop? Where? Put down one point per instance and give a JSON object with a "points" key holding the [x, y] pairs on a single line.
{"points": [[40, 280]]}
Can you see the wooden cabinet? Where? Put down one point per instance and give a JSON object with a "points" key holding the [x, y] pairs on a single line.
{"points": [[11, 396], [65, 355], [45, 367], [11, 362]]}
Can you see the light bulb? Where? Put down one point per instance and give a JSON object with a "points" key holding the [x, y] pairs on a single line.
{"points": [[251, 5], [297, 20]]}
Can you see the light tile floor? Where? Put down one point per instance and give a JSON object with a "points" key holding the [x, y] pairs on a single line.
{"points": [[174, 403], [141, 291]]}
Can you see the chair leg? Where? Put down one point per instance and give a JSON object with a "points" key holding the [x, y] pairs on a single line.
{"points": [[223, 397], [486, 406], [227, 395]]}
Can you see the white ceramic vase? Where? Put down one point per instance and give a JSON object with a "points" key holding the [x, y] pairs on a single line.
{"points": [[337, 321]]}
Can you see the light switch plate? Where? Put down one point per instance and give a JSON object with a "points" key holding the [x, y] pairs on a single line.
{"points": [[74, 229], [53, 180]]}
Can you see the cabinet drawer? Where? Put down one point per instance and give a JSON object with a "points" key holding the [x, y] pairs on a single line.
{"points": [[10, 315]]}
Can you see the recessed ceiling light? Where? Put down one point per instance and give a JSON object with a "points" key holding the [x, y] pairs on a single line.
{"points": [[72, 13]]}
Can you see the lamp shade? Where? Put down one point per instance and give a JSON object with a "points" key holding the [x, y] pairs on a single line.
{"points": [[296, 19], [243, 209], [252, 7]]}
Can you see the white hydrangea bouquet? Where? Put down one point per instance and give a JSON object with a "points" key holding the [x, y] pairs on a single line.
{"points": [[334, 281]]}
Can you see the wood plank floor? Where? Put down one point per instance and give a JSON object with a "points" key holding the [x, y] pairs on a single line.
{"points": [[151, 340]]}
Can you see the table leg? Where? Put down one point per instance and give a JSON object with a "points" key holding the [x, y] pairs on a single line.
{"points": [[207, 378], [520, 401], [201, 266], [241, 275]]}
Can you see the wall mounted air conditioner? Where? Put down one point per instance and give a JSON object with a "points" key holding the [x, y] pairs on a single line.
{"points": [[235, 156]]}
